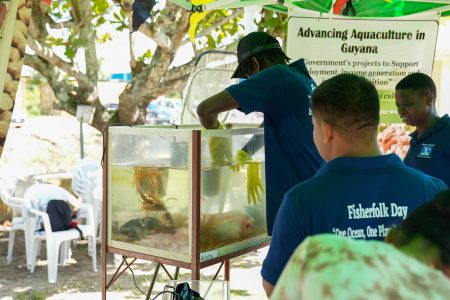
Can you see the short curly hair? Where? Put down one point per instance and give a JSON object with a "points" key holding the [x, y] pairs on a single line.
{"points": [[417, 82], [348, 102]]}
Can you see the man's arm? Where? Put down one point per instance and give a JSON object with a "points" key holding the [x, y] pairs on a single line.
{"points": [[209, 109], [268, 288], [288, 232]]}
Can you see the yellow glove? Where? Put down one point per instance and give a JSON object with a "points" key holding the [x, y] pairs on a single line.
{"points": [[240, 159], [220, 150], [254, 185]]}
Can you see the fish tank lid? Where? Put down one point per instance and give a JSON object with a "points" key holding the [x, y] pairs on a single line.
{"points": [[182, 129]]}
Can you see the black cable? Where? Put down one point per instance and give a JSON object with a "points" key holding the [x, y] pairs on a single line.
{"points": [[177, 296], [134, 280]]}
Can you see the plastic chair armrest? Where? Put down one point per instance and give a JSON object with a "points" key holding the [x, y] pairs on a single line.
{"points": [[89, 208], [45, 218]]}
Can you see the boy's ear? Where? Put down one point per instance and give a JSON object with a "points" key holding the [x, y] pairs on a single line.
{"points": [[256, 65], [327, 131], [427, 96]]}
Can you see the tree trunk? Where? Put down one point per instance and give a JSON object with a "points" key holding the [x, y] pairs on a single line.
{"points": [[48, 98], [168, 30], [151, 81]]}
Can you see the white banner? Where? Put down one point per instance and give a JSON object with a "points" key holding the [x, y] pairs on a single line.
{"points": [[384, 51]]}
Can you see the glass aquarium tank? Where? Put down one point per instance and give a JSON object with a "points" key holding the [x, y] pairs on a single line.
{"points": [[178, 195]]}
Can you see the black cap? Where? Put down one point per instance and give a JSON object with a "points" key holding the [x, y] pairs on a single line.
{"points": [[251, 44]]}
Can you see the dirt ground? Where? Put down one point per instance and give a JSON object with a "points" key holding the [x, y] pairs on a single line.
{"points": [[76, 280], [48, 145]]}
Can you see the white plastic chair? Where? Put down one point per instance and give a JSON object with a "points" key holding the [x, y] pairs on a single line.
{"points": [[54, 240], [87, 185], [20, 219]]}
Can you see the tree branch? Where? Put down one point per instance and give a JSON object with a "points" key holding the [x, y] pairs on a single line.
{"points": [[61, 25], [157, 30], [161, 39], [48, 55], [220, 22], [51, 74], [178, 72]]}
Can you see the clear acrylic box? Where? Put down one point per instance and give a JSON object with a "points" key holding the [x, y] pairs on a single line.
{"points": [[168, 201]]}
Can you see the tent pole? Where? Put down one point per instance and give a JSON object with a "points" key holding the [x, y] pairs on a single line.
{"points": [[183, 3]]}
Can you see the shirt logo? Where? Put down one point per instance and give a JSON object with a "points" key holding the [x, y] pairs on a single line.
{"points": [[426, 150]]}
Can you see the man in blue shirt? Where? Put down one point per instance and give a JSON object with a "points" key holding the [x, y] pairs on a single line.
{"points": [[282, 92], [359, 193], [429, 149]]}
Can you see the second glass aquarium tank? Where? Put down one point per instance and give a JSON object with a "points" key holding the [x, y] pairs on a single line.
{"points": [[180, 196]]}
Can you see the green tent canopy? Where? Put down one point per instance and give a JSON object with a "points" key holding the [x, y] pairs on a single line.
{"points": [[363, 8]]}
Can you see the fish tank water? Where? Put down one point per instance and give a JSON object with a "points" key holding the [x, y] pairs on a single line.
{"points": [[151, 176]]}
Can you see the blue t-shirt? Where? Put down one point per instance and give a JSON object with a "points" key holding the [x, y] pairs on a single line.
{"points": [[360, 198], [282, 93], [430, 153]]}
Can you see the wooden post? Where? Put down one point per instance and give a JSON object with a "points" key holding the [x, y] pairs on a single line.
{"points": [[104, 211], [196, 165], [227, 270]]}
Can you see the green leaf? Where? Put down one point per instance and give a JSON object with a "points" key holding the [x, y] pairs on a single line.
{"points": [[211, 42], [55, 41], [148, 54], [104, 38], [121, 27], [99, 6], [100, 21], [65, 6], [145, 57], [117, 17], [70, 52], [77, 42]]}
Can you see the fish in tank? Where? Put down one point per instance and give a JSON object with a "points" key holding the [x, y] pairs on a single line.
{"points": [[151, 207]]}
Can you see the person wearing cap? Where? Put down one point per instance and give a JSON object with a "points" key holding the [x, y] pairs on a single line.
{"points": [[414, 263], [282, 92], [429, 149], [359, 193]]}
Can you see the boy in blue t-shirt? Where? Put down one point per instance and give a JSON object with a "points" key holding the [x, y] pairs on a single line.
{"points": [[282, 92], [359, 193], [429, 149]]}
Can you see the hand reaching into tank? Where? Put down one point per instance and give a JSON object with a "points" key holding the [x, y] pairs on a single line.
{"points": [[240, 159], [220, 150]]}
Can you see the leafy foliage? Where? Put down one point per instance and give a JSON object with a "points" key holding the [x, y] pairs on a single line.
{"points": [[146, 56], [275, 23], [70, 26], [215, 38], [70, 37]]}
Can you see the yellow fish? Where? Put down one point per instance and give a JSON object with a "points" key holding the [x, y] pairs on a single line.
{"points": [[196, 17]]}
